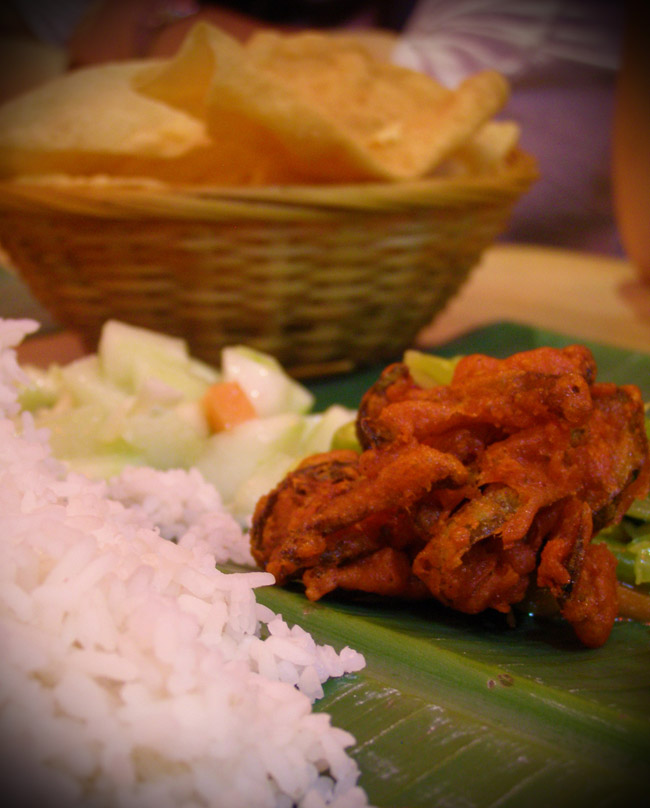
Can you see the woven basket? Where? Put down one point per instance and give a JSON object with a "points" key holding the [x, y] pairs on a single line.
{"points": [[324, 278]]}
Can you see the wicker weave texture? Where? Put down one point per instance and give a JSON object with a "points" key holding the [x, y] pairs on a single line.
{"points": [[320, 288]]}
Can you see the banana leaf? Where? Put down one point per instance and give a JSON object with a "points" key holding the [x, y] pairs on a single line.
{"points": [[454, 711]]}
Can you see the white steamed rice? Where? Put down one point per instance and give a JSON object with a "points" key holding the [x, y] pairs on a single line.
{"points": [[133, 673]]}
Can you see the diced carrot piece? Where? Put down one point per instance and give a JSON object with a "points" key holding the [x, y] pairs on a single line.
{"points": [[225, 405]]}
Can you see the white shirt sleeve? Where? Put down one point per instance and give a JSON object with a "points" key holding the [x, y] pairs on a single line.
{"points": [[451, 40]]}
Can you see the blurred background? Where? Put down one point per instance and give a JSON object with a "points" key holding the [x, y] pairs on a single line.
{"points": [[562, 58]]}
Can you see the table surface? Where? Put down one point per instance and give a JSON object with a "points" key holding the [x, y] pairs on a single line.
{"points": [[586, 296]]}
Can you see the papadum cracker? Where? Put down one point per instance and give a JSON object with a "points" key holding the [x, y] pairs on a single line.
{"points": [[405, 121], [91, 121], [281, 109], [258, 118]]}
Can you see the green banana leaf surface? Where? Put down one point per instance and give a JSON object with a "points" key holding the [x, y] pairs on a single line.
{"points": [[453, 711]]}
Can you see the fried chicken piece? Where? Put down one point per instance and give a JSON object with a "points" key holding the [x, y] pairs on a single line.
{"points": [[508, 394], [386, 572], [596, 471], [465, 565], [592, 606], [280, 513], [339, 506], [471, 492], [581, 576], [613, 455]]}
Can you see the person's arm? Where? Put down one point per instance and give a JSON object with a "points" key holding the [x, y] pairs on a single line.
{"points": [[631, 151]]}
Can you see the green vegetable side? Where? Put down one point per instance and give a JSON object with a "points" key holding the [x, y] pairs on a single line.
{"points": [[139, 401]]}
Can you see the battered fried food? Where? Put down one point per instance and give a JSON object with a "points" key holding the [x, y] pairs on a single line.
{"points": [[470, 492]]}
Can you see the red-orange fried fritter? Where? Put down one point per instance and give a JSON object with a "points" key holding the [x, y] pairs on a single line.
{"points": [[470, 492]]}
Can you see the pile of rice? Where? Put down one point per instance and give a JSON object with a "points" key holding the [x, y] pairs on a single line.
{"points": [[134, 673]]}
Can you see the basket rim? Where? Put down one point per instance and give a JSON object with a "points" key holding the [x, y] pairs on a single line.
{"points": [[133, 198]]}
